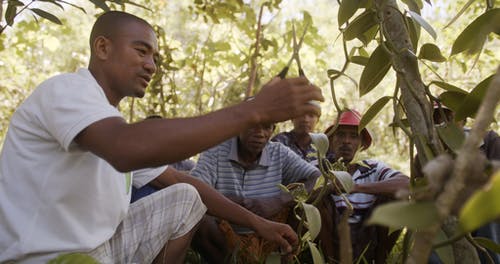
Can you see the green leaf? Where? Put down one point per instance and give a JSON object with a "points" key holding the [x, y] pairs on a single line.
{"points": [[452, 135], [373, 111], [460, 12], [345, 180], [482, 207], [332, 72], [361, 60], [448, 87], [369, 35], [360, 25], [404, 122], [452, 100], [487, 243], [75, 6], [313, 219], [320, 140], [445, 253], [405, 214], [421, 21], [347, 9], [101, 4], [283, 188], [413, 31], [431, 52], [46, 15], [377, 67], [472, 101], [54, 3], [414, 5], [71, 258], [316, 255], [475, 34], [10, 12]]}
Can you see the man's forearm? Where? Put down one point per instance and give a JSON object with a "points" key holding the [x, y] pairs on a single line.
{"points": [[387, 187]]}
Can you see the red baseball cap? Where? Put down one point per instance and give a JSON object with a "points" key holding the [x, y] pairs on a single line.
{"points": [[351, 117]]}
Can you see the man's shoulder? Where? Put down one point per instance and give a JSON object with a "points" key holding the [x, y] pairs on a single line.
{"points": [[224, 147], [65, 82], [81, 74], [283, 137], [277, 146]]}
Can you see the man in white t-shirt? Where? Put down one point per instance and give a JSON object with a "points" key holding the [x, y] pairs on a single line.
{"points": [[65, 166]]}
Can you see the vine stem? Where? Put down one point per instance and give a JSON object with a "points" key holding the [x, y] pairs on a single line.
{"points": [[253, 62]]}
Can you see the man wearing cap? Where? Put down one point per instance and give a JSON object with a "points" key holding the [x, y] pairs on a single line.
{"points": [[374, 183], [248, 169], [298, 139]]}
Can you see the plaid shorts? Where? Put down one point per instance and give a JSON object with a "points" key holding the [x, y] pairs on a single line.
{"points": [[150, 223]]}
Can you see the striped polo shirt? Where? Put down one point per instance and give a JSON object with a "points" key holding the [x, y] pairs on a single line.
{"points": [[220, 168], [371, 171]]}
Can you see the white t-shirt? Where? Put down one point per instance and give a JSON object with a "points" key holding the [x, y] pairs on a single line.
{"points": [[54, 197]]}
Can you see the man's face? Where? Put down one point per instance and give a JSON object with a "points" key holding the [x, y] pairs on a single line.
{"points": [[253, 140], [305, 124], [439, 118], [345, 142], [131, 60]]}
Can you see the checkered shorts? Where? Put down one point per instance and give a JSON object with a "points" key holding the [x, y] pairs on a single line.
{"points": [[150, 223]]}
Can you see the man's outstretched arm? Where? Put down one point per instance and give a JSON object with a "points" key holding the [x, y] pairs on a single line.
{"points": [[220, 206], [152, 143]]}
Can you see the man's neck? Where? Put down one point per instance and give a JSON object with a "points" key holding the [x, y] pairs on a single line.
{"points": [[301, 139], [247, 159]]}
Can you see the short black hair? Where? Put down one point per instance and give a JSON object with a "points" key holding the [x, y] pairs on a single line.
{"points": [[111, 22]]}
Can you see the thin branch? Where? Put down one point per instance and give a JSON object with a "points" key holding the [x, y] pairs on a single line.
{"points": [[253, 62]]}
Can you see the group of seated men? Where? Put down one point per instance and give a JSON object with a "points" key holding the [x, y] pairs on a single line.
{"points": [[249, 167], [75, 196]]}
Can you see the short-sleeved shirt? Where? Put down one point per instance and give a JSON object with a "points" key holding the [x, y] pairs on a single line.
{"points": [[220, 168], [288, 139], [371, 171], [54, 196]]}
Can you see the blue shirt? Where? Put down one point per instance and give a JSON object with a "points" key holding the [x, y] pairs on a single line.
{"points": [[288, 139]]}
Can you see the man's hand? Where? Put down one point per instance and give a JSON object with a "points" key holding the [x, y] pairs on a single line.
{"points": [[282, 234], [281, 100]]}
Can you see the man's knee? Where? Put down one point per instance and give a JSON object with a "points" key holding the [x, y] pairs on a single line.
{"points": [[188, 191]]}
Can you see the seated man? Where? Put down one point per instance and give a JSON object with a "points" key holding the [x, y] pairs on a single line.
{"points": [[374, 182], [247, 169], [298, 139]]}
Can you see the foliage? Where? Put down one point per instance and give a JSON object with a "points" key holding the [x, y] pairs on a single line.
{"points": [[395, 33], [15, 7]]}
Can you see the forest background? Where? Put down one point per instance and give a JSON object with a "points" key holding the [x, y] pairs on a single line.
{"points": [[207, 51]]}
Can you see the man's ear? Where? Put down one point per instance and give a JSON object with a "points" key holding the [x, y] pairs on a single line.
{"points": [[102, 47]]}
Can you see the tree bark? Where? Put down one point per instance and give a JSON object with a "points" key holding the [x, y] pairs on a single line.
{"points": [[412, 87]]}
